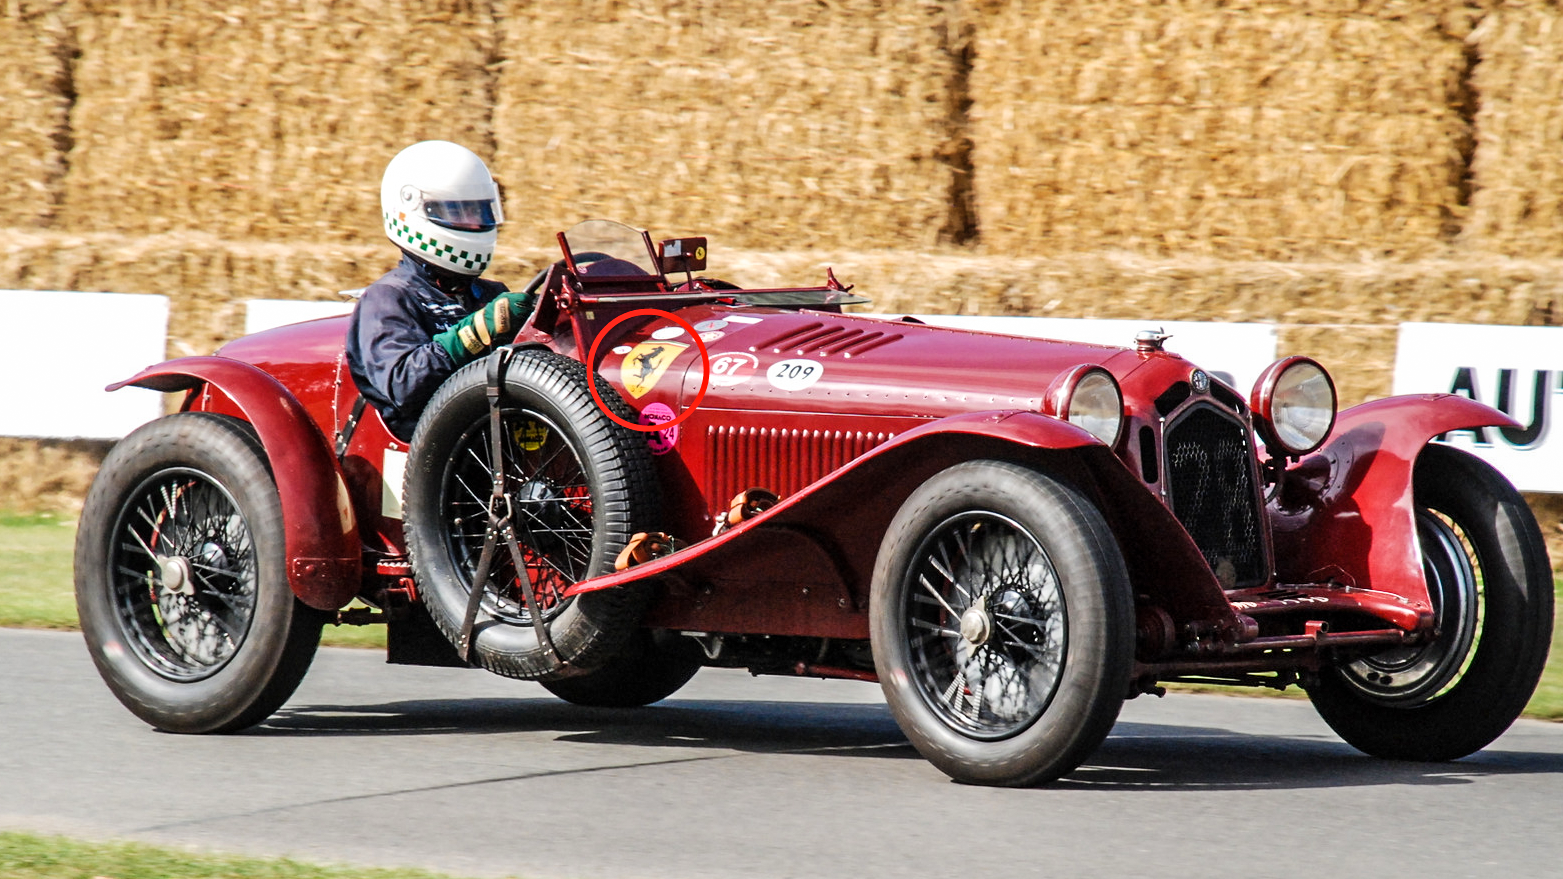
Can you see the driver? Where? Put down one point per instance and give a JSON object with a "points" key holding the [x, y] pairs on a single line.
{"points": [[431, 314]]}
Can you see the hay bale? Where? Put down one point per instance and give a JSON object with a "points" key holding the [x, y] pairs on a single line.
{"points": [[1517, 205], [269, 120], [208, 281], [48, 475], [792, 122], [35, 77], [1281, 131]]}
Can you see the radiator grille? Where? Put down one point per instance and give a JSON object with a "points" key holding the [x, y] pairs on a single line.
{"points": [[780, 460], [1211, 487]]}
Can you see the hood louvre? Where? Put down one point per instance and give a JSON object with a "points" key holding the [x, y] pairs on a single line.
{"points": [[818, 340]]}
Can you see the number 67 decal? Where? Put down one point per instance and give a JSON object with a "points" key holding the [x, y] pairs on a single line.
{"points": [[733, 368]]}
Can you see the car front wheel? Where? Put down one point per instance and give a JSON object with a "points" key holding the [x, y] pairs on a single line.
{"points": [[1490, 584], [1002, 624]]}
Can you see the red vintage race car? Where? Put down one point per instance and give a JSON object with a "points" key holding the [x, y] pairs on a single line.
{"points": [[664, 472]]}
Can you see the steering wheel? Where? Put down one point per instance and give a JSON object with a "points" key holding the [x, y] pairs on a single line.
{"points": [[589, 256]]}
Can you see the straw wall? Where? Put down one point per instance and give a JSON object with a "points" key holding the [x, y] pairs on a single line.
{"points": [[1342, 312], [791, 123], [1517, 206], [34, 134], [271, 119], [1168, 128]]}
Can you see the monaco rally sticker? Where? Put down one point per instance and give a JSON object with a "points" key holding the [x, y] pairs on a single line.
{"points": [[707, 326], [794, 375], [711, 335], [733, 369], [662, 441]]}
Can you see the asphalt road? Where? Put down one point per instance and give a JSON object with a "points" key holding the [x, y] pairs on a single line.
{"points": [[475, 775]]}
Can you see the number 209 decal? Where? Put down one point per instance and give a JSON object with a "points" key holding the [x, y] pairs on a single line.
{"points": [[794, 375]]}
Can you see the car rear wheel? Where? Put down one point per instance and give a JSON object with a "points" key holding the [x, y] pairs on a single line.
{"points": [[1490, 582], [180, 578], [1002, 624], [578, 487], [652, 667]]}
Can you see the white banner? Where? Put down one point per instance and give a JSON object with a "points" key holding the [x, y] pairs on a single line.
{"points": [[64, 348], [1233, 352], [265, 314], [1516, 369]]}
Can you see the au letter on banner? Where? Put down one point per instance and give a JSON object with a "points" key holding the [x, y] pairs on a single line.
{"points": [[1516, 369]]}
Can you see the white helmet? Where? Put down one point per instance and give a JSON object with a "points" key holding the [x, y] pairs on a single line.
{"points": [[440, 204]]}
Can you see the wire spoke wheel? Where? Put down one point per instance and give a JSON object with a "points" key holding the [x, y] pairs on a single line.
{"points": [[184, 577], [1002, 624], [577, 487], [986, 624], [549, 500], [181, 582]]}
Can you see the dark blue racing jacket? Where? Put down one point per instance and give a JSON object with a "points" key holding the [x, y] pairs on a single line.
{"points": [[391, 351]]}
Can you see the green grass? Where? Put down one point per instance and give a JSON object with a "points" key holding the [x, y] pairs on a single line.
{"points": [[26, 856], [36, 592], [35, 571], [1548, 701], [36, 589]]}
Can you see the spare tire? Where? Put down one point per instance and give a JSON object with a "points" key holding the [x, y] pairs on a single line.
{"points": [[579, 486]]}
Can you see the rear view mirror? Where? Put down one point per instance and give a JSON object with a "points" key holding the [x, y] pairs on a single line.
{"points": [[686, 255]]}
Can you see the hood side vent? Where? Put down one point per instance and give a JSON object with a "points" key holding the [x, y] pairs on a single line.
{"points": [[818, 340]]}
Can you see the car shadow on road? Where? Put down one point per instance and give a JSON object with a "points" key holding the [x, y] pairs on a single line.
{"points": [[1137, 756], [749, 726], [1148, 756]]}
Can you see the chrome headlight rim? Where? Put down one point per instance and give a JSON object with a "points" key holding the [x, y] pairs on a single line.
{"points": [[1088, 385], [1276, 391]]}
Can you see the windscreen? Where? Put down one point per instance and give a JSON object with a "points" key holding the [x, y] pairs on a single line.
{"points": [[596, 240]]}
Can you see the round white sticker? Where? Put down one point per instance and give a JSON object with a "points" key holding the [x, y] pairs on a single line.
{"points": [[733, 368], [666, 333], [794, 375], [623, 349], [706, 326]]}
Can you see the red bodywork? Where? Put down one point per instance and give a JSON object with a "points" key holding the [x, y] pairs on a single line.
{"points": [[893, 403]]}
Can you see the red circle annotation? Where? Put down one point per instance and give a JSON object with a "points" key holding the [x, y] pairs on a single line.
{"points": [[705, 369]]}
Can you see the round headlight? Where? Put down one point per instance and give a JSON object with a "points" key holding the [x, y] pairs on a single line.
{"points": [[1294, 403], [1088, 397]]}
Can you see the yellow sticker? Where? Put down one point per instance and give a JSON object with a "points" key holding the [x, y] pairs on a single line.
{"points": [[644, 365], [530, 436], [700, 253]]}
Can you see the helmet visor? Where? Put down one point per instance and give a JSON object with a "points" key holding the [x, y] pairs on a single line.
{"points": [[482, 215]]}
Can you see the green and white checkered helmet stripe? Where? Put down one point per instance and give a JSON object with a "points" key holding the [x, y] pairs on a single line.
{"points": [[462, 259]]}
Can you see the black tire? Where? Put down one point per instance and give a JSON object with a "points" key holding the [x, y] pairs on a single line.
{"points": [[181, 582], [1491, 585], [652, 667], [1004, 574], [581, 486]]}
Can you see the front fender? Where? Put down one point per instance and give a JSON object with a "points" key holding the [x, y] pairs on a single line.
{"points": [[320, 530], [1346, 513]]}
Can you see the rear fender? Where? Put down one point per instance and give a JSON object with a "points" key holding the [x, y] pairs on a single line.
{"points": [[845, 514], [320, 530], [1346, 513]]}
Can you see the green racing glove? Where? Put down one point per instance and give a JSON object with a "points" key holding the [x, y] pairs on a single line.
{"points": [[491, 325]]}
